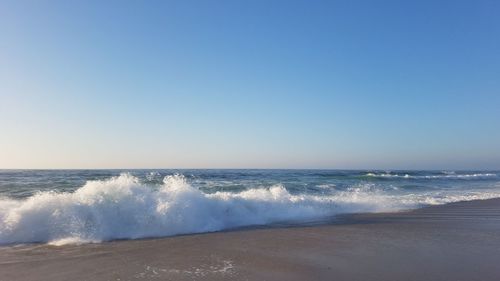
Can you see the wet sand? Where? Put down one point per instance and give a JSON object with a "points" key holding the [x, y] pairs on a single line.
{"points": [[459, 241]]}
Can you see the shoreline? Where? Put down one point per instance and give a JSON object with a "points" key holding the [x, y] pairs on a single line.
{"points": [[455, 241]]}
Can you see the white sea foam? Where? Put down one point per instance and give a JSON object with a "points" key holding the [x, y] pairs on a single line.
{"points": [[124, 208], [446, 175]]}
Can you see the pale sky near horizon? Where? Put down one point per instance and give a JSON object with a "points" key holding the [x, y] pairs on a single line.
{"points": [[250, 84]]}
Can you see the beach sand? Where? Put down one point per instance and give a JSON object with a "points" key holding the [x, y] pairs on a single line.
{"points": [[458, 241]]}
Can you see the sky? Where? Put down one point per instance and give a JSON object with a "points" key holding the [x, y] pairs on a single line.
{"points": [[250, 84]]}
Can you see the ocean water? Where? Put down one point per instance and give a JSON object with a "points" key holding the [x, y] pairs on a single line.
{"points": [[80, 206]]}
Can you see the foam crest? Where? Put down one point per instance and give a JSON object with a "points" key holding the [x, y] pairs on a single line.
{"points": [[446, 175], [124, 208]]}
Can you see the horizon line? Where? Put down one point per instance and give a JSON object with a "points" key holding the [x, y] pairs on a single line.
{"points": [[327, 169]]}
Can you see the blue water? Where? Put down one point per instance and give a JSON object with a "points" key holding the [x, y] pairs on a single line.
{"points": [[24, 183], [77, 206]]}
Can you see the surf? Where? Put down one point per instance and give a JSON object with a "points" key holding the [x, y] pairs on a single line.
{"points": [[124, 207]]}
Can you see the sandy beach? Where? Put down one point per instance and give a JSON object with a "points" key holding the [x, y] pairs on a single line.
{"points": [[458, 241]]}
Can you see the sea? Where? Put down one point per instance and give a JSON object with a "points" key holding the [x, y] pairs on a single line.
{"points": [[92, 206]]}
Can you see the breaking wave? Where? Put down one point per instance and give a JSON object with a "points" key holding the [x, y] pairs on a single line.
{"points": [[445, 175], [124, 208]]}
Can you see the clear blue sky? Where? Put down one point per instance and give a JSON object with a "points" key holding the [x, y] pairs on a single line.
{"points": [[250, 84]]}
